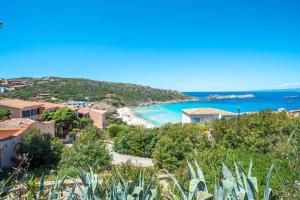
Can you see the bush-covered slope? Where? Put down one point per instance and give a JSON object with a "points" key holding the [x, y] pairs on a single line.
{"points": [[77, 88]]}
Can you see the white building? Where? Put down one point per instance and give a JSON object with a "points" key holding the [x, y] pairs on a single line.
{"points": [[202, 115], [6, 89], [76, 104], [295, 113]]}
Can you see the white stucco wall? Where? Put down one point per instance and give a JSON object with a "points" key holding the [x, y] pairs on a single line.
{"points": [[185, 118], [199, 118], [7, 151]]}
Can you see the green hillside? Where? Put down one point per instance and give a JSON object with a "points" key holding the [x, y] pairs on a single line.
{"points": [[77, 89]]}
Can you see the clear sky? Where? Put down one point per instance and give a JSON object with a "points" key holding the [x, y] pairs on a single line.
{"points": [[188, 45]]}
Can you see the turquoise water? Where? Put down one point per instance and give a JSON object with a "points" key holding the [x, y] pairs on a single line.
{"points": [[171, 113]]}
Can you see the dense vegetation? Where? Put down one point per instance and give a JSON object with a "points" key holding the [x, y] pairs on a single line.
{"points": [[238, 186], [41, 149], [141, 142], [88, 149], [4, 115], [65, 120], [78, 89], [266, 137]]}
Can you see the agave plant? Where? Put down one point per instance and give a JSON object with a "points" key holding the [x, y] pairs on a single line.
{"points": [[242, 186], [130, 191]]}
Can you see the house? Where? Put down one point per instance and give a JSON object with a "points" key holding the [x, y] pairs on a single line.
{"points": [[75, 104], [27, 109], [110, 96], [6, 89], [43, 96], [98, 116], [295, 113], [21, 109], [11, 133], [32, 110], [202, 115], [52, 107]]}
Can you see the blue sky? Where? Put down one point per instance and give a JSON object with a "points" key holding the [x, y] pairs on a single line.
{"points": [[192, 45]]}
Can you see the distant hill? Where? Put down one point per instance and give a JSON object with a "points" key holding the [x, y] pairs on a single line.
{"points": [[65, 89]]}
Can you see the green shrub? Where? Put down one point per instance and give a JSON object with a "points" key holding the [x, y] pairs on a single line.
{"points": [[41, 148], [67, 171], [257, 131], [136, 141], [115, 129], [176, 143], [88, 149], [4, 115]]}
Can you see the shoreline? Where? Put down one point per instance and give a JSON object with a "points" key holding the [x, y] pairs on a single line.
{"points": [[168, 102], [128, 116]]}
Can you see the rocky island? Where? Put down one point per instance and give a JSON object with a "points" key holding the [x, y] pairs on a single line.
{"points": [[245, 96]]}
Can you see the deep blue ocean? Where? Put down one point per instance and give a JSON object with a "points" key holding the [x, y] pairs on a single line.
{"points": [[165, 113]]}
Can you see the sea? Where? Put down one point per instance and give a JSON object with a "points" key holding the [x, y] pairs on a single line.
{"points": [[161, 114]]}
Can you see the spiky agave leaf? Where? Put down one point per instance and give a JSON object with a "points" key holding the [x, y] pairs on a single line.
{"points": [[123, 188], [250, 189], [268, 189], [71, 193], [227, 188], [227, 173], [154, 194], [238, 177], [177, 184], [194, 184], [204, 196], [219, 192], [239, 188], [148, 192], [201, 176], [191, 170], [197, 182], [55, 191], [42, 186], [250, 169]]}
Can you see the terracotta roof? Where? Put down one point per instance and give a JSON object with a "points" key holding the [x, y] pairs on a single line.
{"points": [[17, 103], [16, 123], [207, 111], [297, 110], [83, 111], [48, 105], [7, 133]]}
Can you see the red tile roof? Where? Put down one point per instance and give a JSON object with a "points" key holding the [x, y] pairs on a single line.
{"points": [[7, 133], [17, 103]]}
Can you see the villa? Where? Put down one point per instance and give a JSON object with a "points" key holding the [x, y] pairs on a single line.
{"points": [[32, 110], [24, 117], [21, 109], [11, 133], [295, 113], [202, 115]]}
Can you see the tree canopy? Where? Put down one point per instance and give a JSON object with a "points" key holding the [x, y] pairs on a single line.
{"points": [[66, 89], [4, 115], [41, 148]]}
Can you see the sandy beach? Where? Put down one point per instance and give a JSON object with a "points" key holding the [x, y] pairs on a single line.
{"points": [[130, 118]]}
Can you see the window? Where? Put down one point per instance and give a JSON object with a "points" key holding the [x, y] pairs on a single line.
{"points": [[197, 119], [33, 112], [26, 113]]}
